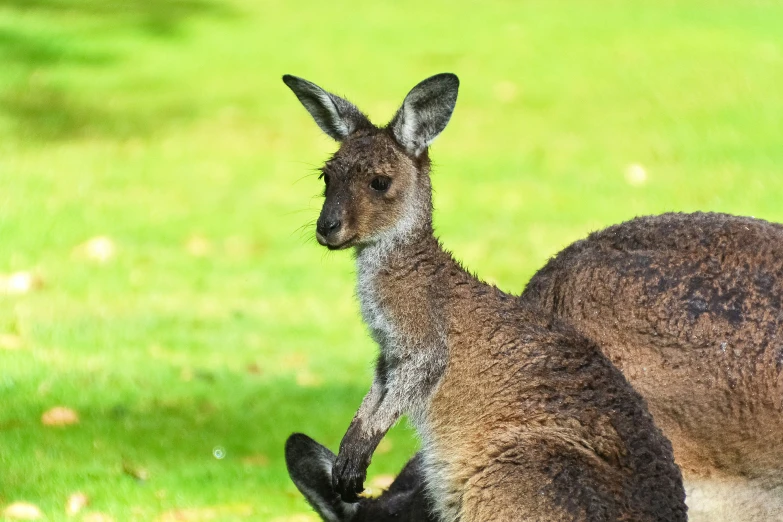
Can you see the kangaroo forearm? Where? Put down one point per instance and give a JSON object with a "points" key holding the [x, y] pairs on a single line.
{"points": [[362, 437], [374, 419], [406, 386], [357, 448], [372, 400], [377, 422], [402, 383]]}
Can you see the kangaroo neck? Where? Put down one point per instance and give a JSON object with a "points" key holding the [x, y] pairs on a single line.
{"points": [[403, 253], [403, 289]]}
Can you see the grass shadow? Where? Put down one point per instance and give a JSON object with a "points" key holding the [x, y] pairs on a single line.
{"points": [[126, 448], [36, 51], [35, 101], [45, 113], [162, 17]]}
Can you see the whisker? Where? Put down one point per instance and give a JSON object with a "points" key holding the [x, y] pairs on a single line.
{"points": [[304, 229], [316, 173], [309, 238]]}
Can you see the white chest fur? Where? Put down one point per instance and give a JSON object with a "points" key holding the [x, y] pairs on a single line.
{"points": [[377, 315]]}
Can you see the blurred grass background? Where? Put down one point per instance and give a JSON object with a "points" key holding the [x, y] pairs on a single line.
{"points": [[207, 322]]}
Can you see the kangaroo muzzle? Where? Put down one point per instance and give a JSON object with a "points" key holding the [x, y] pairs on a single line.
{"points": [[330, 230]]}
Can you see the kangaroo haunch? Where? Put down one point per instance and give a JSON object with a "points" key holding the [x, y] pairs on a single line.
{"points": [[690, 308], [520, 416]]}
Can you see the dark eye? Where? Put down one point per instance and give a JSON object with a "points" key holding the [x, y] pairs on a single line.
{"points": [[325, 177], [380, 183]]}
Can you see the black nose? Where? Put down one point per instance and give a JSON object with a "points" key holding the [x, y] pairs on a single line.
{"points": [[327, 226]]}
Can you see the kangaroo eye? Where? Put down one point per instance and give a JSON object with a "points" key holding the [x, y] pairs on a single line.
{"points": [[380, 184]]}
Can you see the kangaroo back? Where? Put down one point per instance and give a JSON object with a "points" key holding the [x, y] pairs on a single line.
{"points": [[690, 308]]}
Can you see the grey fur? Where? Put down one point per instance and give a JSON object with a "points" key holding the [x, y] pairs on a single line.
{"points": [[336, 116], [425, 112]]}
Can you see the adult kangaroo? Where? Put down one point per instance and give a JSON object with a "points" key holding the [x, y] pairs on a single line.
{"points": [[521, 417], [690, 308]]}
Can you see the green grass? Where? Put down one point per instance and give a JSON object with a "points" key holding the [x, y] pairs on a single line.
{"points": [[164, 126]]}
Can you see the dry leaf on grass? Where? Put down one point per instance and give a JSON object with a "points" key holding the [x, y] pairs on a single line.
{"points": [[22, 511], [186, 374], [76, 503], [385, 446], [376, 486], [238, 247], [19, 283], [198, 246], [135, 471], [635, 175], [293, 361], [254, 369], [10, 342], [257, 460], [307, 379], [381, 481], [59, 416], [99, 249], [505, 91]]}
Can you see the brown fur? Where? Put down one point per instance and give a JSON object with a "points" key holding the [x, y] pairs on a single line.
{"points": [[632, 287], [521, 416], [530, 420], [690, 308]]}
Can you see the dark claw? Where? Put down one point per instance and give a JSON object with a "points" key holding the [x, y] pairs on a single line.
{"points": [[348, 478]]}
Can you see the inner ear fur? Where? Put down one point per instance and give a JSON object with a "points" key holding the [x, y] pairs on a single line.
{"points": [[336, 116], [425, 112]]}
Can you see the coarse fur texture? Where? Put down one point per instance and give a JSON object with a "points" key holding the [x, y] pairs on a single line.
{"points": [[690, 308], [310, 468], [521, 417]]}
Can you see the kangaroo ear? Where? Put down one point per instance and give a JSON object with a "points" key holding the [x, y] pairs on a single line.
{"points": [[337, 117], [425, 112], [411, 477], [310, 468]]}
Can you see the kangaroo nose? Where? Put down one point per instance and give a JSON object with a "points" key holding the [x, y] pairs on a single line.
{"points": [[328, 226]]}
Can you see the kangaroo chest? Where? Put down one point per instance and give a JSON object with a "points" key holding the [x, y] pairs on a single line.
{"points": [[377, 313], [399, 309]]}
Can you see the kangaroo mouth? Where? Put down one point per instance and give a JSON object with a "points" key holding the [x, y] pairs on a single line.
{"points": [[335, 246]]}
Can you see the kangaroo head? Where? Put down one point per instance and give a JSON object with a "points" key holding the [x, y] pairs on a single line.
{"points": [[377, 183]]}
